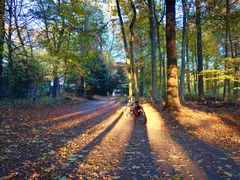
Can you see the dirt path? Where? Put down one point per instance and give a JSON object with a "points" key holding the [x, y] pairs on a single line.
{"points": [[96, 141]]}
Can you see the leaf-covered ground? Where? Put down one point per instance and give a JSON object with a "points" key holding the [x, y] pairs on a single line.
{"points": [[96, 141]]}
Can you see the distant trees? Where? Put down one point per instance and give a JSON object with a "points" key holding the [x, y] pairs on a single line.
{"points": [[50, 41], [61, 42]]}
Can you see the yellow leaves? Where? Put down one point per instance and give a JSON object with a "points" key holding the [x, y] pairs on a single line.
{"points": [[215, 74]]}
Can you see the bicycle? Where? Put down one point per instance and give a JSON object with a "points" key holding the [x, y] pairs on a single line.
{"points": [[135, 110]]}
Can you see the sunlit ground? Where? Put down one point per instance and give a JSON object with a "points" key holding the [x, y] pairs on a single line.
{"points": [[167, 151], [222, 130]]}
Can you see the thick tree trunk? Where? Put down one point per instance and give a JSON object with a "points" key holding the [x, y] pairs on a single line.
{"points": [[184, 35], [153, 50], [172, 99], [134, 71], [199, 51], [2, 34], [128, 62]]}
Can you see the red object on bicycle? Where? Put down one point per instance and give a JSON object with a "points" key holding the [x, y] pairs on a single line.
{"points": [[136, 110]]}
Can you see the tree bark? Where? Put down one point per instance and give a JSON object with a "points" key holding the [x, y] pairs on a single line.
{"points": [[172, 99], [2, 34], [153, 50], [199, 51], [184, 35]]}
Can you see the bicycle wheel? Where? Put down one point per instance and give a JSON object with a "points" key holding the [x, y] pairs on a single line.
{"points": [[127, 111], [142, 117]]}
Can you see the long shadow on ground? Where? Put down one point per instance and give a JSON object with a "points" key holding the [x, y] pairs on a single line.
{"points": [[214, 162], [73, 166], [138, 161], [25, 156]]}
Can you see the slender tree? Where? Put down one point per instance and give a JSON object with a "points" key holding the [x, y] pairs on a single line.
{"points": [[199, 50], [184, 38], [153, 50], [158, 21], [128, 62], [172, 99], [9, 45]]}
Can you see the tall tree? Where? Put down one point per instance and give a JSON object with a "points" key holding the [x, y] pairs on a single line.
{"points": [[184, 35], [158, 21], [2, 34], [199, 50], [131, 28], [172, 99], [226, 46], [128, 61], [153, 50], [9, 45]]}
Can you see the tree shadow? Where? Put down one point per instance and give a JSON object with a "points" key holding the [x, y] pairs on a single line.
{"points": [[72, 166], [85, 110], [29, 150], [139, 160], [212, 160]]}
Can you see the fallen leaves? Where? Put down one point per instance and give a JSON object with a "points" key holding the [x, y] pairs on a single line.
{"points": [[31, 146]]}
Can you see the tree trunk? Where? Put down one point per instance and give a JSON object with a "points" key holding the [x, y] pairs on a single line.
{"points": [[128, 62], [172, 99], [10, 50], [226, 48], [184, 33], [199, 51], [160, 58], [188, 71], [153, 50], [207, 76], [164, 78], [236, 84], [158, 23], [2, 34], [134, 71], [142, 80], [194, 64]]}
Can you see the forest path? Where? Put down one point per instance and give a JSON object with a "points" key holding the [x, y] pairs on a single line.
{"points": [[96, 141]]}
